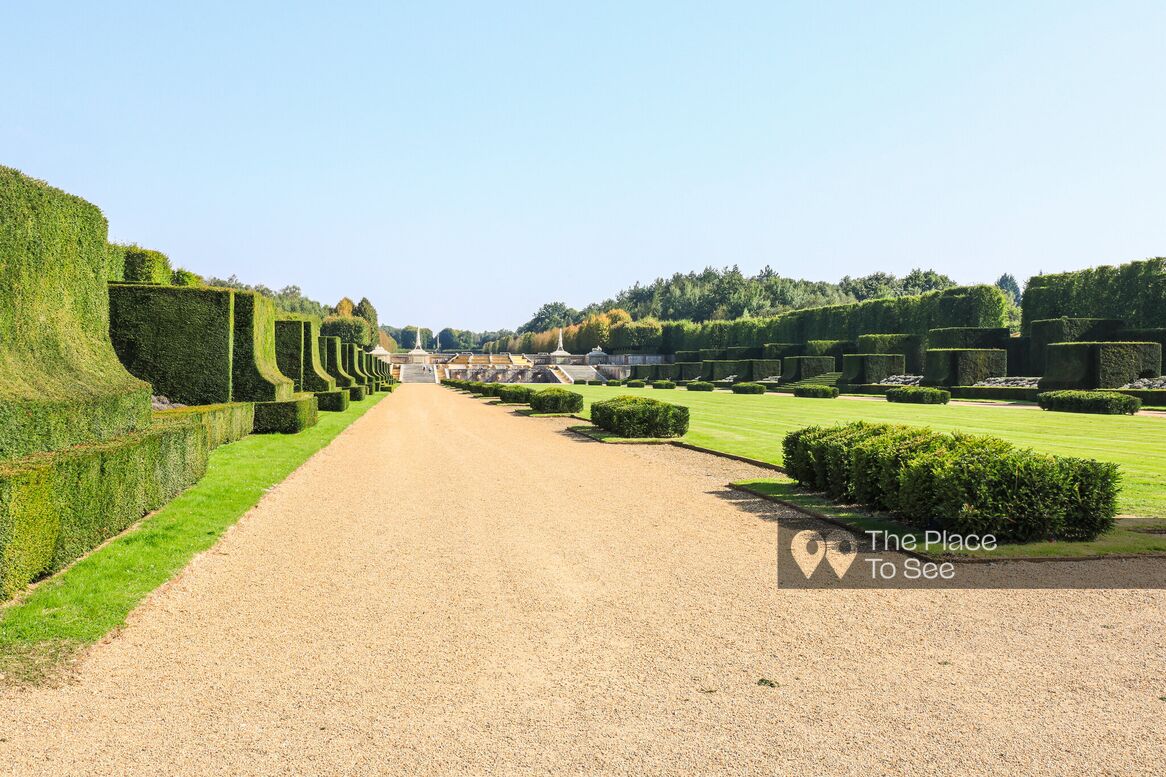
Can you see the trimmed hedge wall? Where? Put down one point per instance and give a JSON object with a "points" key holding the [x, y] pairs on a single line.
{"points": [[224, 423], [688, 356], [1100, 402], [1099, 365], [556, 400], [254, 374], [743, 352], [912, 347], [954, 482], [1045, 332], [963, 366], [1135, 292], [835, 348], [333, 363], [286, 417], [863, 368], [918, 395], [762, 369], [721, 370], [1002, 393], [141, 265], [1149, 397], [688, 370], [816, 392], [629, 416], [968, 337], [57, 506], [795, 368], [178, 339], [782, 350], [61, 383]]}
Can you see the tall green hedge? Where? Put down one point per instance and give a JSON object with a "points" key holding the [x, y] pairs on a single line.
{"points": [[255, 375], [911, 347], [963, 366], [56, 506], [782, 350], [968, 337], [1099, 365], [180, 340], [862, 368], [61, 383], [1134, 292], [350, 353], [687, 370], [835, 348], [145, 266], [1045, 332]]}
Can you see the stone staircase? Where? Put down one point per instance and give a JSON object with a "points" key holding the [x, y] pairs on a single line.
{"points": [[580, 373], [418, 373]]}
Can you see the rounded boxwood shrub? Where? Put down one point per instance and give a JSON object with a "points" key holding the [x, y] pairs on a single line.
{"points": [[1102, 402], [556, 400], [634, 416], [816, 392], [663, 384], [748, 388], [515, 394], [635, 383], [614, 382], [919, 395], [700, 385]]}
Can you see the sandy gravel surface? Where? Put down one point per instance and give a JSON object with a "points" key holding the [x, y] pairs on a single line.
{"points": [[451, 588]]}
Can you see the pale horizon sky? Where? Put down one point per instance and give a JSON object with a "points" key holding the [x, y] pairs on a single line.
{"points": [[462, 163]]}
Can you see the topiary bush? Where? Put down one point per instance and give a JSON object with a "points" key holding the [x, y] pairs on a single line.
{"points": [[963, 366], [332, 362], [955, 482], [816, 392], [255, 377], [918, 395], [1099, 365], [145, 266], [1100, 402], [910, 346], [181, 277], [635, 383], [556, 400], [663, 384], [515, 394], [700, 385], [633, 416], [748, 388]]}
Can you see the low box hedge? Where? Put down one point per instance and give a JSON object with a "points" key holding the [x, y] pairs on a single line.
{"points": [[955, 482], [333, 401], [663, 384], [630, 416], [700, 385], [224, 423], [289, 416], [816, 392], [1100, 402], [1001, 393], [356, 393], [1149, 397], [748, 388], [635, 384], [556, 400], [918, 395], [515, 394], [614, 382], [54, 507]]}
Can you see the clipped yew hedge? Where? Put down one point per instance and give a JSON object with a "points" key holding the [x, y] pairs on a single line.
{"points": [[813, 391], [515, 394], [963, 366], [1100, 402], [286, 417], [796, 368], [556, 400], [910, 346], [955, 482], [634, 416], [871, 368], [699, 385], [224, 423], [142, 265], [663, 384]]}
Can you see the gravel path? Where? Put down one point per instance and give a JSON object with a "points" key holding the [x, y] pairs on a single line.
{"points": [[452, 588]]}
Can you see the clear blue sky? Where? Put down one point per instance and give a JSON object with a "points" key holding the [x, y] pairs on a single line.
{"points": [[461, 163]]}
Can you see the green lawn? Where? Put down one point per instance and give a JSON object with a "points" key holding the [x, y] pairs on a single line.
{"points": [[88, 600], [754, 425]]}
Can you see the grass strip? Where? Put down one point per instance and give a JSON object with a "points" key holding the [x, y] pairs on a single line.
{"points": [[83, 603]]}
